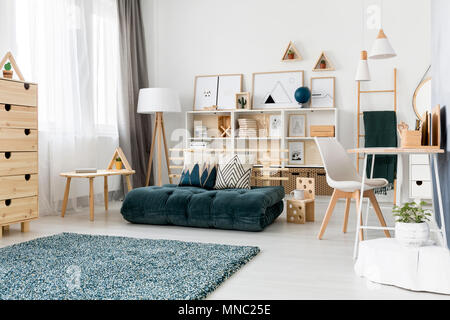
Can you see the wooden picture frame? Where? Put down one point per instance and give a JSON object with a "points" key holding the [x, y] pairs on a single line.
{"points": [[247, 97], [276, 90], [217, 91], [323, 92], [293, 130], [296, 153]]}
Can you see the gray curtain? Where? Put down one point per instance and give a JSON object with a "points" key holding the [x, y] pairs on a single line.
{"points": [[440, 72], [135, 130]]}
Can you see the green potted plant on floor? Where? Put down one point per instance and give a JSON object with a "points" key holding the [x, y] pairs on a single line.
{"points": [[7, 72], [119, 163], [411, 227]]}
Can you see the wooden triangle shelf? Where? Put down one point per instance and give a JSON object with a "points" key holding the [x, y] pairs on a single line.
{"points": [[9, 57], [291, 49], [323, 63]]}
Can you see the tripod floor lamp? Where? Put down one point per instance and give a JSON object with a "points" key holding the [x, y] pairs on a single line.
{"points": [[157, 101]]}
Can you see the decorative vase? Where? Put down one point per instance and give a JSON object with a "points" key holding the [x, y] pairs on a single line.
{"points": [[412, 234], [119, 165], [8, 74], [291, 56], [323, 65]]}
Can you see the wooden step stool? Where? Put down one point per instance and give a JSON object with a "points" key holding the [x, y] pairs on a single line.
{"points": [[302, 211]]}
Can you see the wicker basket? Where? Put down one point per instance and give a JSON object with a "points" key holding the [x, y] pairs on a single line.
{"points": [[260, 183], [322, 187]]}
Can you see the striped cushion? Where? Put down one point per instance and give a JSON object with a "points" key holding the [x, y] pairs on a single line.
{"points": [[233, 175]]}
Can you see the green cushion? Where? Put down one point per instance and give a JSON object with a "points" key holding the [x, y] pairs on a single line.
{"points": [[232, 209]]}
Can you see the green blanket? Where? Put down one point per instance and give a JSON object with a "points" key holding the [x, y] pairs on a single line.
{"points": [[381, 131]]}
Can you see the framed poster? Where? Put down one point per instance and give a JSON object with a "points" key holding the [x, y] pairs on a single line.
{"points": [[217, 91], [205, 95], [272, 90], [297, 125], [275, 126], [322, 92], [296, 153], [229, 86]]}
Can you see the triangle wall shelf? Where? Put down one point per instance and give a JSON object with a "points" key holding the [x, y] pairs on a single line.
{"points": [[291, 49], [9, 57], [328, 66]]}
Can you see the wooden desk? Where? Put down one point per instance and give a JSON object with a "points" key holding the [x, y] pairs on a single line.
{"points": [[431, 152], [91, 176]]}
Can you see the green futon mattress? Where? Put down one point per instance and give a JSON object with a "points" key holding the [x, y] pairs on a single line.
{"points": [[246, 210]]}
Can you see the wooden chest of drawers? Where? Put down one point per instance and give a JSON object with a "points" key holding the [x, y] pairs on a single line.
{"points": [[19, 179]]}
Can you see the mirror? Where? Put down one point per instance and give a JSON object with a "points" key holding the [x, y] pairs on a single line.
{"points": [[422, 98]]}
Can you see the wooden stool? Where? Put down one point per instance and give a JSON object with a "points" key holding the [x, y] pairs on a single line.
{"points": [[302, 211]]}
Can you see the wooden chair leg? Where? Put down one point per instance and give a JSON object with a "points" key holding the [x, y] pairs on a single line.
{"points": [[66, 197], [377, 209], [347, 210], [328, 214], [91, 198]]}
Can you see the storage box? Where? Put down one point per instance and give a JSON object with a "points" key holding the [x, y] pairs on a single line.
{"points": [[322, 131], [411, 139]]}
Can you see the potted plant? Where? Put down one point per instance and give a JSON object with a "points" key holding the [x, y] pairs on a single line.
{"points": [[291, 54], [323, 64], [119, 164], [7, 72], [411, 227]]}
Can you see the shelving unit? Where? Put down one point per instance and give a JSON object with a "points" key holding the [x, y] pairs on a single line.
{"points": [[314, 116]]}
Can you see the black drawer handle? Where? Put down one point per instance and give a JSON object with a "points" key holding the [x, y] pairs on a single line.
{"points": [[8, 155], [419, 183], [321, 174], [295, 173], [27, 177], [8, 203], [26, 86], [7, 107], [27, 132]]}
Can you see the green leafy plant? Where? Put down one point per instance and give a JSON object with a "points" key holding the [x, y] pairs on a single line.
{"points": [[118, 159], [243, 102], [8, 66], [412, 212]]}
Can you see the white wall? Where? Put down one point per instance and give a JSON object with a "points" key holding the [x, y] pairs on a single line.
{"points": [[7, 27], [186, 38]]}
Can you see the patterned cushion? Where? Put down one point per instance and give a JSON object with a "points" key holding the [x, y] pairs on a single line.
{"points": [[202, 175], [234, 175]]}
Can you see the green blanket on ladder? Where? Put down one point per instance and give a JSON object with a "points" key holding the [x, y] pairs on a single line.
{"points": [[381, 131]]}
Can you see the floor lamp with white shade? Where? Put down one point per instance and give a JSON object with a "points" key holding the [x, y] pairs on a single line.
{"points": [[157, 101]]}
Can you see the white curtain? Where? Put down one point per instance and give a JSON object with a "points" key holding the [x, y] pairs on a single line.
{"points": [[71, 49]]}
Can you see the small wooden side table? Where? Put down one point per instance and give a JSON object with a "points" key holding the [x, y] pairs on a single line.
{"points": [[127, 172]]}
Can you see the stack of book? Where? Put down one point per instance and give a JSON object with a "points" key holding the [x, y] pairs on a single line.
{"points": [[247, 128]]}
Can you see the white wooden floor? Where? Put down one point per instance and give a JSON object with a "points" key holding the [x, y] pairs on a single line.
{"points": [[292, 264]]}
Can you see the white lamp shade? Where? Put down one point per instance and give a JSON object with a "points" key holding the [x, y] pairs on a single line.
{"points": [[158, 100], [382, 48], [363, 73]]}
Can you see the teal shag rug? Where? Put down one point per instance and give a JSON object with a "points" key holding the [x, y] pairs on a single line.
{"points": [[86, 267]]}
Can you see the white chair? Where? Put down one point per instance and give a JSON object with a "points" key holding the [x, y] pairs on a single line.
{"points": [[346, 182]]}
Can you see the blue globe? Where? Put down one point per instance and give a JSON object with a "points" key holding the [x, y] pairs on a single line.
{"points": [[302, 95]]}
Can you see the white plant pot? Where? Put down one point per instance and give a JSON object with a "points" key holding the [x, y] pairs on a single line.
{"points": [[412, 234]]}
